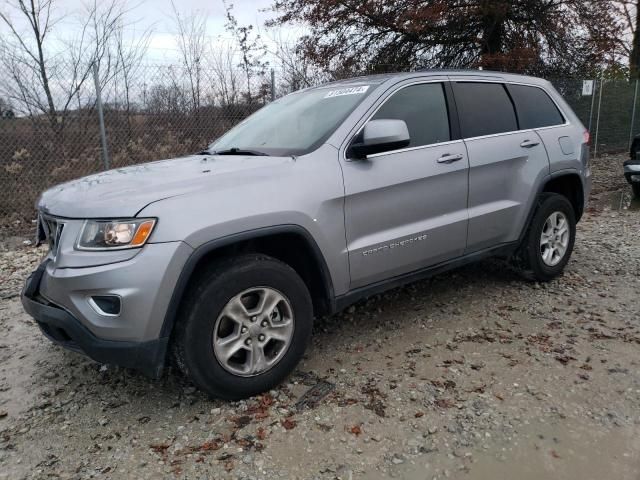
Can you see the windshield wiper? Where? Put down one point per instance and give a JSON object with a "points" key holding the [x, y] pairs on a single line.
{"points": [[236, 151]]}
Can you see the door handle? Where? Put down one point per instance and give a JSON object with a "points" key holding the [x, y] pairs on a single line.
{"points": [[529, 144], [447, 158]]}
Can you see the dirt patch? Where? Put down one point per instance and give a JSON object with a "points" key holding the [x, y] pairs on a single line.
{"points": [[472, 374]]}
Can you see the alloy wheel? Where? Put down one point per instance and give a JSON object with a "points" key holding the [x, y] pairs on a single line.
{"points": [[554, 240], [253, 331]]}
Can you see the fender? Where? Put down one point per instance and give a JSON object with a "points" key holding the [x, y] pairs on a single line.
{"points": [[208, 247], [540, 190]]}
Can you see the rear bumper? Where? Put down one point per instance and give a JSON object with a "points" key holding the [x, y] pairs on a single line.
{"points": [[62, 328]]}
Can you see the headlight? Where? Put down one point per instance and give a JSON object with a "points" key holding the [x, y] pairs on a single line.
{"points": [[115, 234]]}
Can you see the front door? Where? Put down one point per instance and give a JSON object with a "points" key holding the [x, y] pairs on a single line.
{"points": [[407, 209]]}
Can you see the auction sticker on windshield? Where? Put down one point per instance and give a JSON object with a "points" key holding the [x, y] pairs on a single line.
{"points": [[347, 91]]}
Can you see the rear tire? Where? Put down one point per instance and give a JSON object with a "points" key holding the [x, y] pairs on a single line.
{"points": [[244, 328], [635, 186], [549, 240]]}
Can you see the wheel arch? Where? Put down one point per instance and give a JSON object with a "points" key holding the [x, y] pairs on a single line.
{"points": [[291, 244], [569, 185]]}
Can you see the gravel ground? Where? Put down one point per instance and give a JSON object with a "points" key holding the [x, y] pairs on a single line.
{"points": [[472, 374]]}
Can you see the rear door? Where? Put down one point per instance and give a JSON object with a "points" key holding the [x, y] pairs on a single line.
{"points": [[407, 209], [536, 110], [505, 163]]}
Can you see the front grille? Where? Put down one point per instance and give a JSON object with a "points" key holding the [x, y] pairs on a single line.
{"points": [[50, 229]]}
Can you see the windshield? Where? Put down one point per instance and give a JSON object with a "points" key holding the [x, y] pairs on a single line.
{"points": [[293, 125]]}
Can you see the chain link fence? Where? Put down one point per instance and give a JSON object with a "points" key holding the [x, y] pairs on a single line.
{"points": [[156, 112]]}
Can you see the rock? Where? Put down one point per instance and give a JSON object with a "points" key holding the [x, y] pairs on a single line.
{"points": [[343, 472]]}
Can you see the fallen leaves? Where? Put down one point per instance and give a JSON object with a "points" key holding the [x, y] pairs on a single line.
{"points": [[241, 421], [260, 410], [208, 446], [376, 399], [160, 448], [288, 423], [478, 388], [445, 402], [444, 384], [564, 359], [542, 341]]}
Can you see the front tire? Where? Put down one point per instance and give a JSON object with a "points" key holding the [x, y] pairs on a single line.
{"points": [[549, 240], [245, 327]]}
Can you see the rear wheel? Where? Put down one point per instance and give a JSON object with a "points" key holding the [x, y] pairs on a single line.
{"points": [[549, 241], [246, 326], [636, 189]]}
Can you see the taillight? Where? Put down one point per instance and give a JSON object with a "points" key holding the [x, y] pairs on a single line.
{"points": [[586, 137]]}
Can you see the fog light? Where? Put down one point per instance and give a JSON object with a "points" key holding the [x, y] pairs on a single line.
{"points": [[108, 305]]}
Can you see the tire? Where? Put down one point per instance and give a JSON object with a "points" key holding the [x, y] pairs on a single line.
{"points": [[636, 189], [531, 256], [200, 336]]}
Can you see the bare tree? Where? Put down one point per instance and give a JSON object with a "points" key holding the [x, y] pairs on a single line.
{"points": [[296, 69], [225, 74], [191, 31], [44, 80], [167, 100], [250, 47], [27, 54], [129, 56]]}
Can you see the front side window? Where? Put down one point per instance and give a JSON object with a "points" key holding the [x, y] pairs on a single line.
{"points": [[535, 108], [424, 109], [296, 124], [484, 109]]}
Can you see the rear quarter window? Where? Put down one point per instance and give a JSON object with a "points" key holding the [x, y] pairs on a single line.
{"points": [[535, 108], [484, 109]]}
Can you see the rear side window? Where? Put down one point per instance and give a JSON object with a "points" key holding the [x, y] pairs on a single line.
{"points": [[535, 108], [484, 109], [424, 109]]}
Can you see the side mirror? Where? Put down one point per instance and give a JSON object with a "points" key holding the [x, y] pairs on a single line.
{"points": [[380, 136]]}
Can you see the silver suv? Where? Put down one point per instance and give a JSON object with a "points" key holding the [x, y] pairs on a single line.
{"points": [[221, 260]]}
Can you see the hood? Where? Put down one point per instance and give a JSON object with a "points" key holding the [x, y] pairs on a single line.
{"points": [[123, 192]]}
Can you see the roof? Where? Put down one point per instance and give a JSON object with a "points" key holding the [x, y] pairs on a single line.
{"points": [[378, 79]]}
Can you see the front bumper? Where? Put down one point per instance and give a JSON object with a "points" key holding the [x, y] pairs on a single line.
{"points": [[64, 329], [632, 171], [59, 299]]}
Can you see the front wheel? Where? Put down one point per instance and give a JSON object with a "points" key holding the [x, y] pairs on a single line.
{"points": [[549, 240], [245, 327]]}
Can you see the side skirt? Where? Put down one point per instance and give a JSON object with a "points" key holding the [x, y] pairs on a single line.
{"points": [[343, 301]]}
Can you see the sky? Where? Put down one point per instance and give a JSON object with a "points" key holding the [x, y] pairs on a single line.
{"points": [[157, 16]]}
